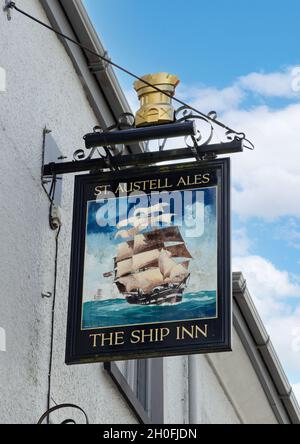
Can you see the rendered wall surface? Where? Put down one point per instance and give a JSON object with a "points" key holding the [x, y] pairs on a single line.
{"points": [[42, 89], [224, 390]]}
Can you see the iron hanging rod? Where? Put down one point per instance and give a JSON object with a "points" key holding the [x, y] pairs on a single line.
{"points": [[132, 135]]}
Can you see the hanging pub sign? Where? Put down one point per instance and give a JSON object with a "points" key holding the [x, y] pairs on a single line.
{"points": [[150, 264]]}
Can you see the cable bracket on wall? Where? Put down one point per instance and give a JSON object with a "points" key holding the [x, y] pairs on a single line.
{"points": [[51, 183], [8, 8]]}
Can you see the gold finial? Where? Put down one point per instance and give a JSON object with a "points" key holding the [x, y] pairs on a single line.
{"points": [[156, 108]]}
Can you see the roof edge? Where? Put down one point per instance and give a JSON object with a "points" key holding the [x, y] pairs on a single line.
{"points": [[93, 41], [265, 348]]}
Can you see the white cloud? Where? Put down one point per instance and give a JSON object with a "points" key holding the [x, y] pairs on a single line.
{"points": [[289, 231], [296, 79], [240, 242], [203, 98], [285, 334], [270, 288], [207, 99], [265, 280], [266, 181], [275, 84]]}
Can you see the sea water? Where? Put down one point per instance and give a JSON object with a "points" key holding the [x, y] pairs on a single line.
{"points": [[114, 312]]}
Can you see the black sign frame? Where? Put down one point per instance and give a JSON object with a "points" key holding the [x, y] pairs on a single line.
{"points": [[80, 344]]}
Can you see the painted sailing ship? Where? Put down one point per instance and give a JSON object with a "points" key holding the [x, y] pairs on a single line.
{"points": [[148, 267]]}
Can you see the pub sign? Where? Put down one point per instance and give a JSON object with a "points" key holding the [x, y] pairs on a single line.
{"points": [[150, 267]]}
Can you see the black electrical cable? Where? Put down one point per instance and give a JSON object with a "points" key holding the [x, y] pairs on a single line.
{"points": [[12, 5], [58, 228], [52, 320]]}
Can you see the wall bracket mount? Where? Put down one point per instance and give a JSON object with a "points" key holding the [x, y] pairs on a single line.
{"points": [[8, 8]]}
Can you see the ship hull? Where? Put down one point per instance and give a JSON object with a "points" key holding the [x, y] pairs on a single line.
{"points": [[169, 296]]}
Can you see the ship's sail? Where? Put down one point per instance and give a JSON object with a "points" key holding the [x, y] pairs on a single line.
{"points": [[142, 244], [149, 261], [160, 207], [125, 234], [145, 281], [178, 273], [135, 221], [143, 213], [168, 234], [166, 264], [124, 251], [171, 270], [162, 218], [179, 250], [124, 267], [161, 270], [143, 222], [152, 278], [146, 259]]}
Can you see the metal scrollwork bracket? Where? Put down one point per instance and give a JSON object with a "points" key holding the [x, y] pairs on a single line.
{"points": [[205, 138], [205, 135], [47, 414], [125, 121]]}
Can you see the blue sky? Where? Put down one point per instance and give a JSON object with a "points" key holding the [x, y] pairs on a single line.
{"points": [[202, 42], [241, 59]]}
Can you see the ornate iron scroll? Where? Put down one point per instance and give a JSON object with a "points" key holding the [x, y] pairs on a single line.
{"points": [[206, 130], [60, 407]]}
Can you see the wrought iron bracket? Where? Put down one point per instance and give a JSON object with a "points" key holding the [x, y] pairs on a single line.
{"points": [[51, 154], [104, 147], [144, 159]]}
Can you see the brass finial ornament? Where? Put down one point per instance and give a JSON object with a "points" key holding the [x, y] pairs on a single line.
{"points": [[156, 107]]}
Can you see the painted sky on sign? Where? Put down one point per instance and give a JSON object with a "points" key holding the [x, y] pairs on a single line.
{"points": [[242, 60]]}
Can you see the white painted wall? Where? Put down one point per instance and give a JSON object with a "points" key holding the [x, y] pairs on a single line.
{"points": [[42, 89], [225, 390], [2, 80]]}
